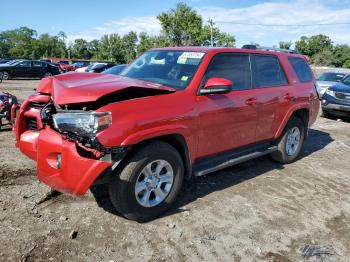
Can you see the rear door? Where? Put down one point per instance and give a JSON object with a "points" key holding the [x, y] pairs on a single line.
{"points": [[37, 69], [227, 121], [274, 93]]}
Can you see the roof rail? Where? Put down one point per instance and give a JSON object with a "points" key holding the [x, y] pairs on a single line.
{"points": [[270, 49]]}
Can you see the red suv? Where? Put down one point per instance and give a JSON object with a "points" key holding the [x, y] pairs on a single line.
{"points": [[171, 114]]}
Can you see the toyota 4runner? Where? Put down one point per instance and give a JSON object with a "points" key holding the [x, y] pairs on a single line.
{"points": [[172, 114]]}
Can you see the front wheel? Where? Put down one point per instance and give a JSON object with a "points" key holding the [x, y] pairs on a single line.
{"points": [[148, 182], [5, 75], [290, 142]]}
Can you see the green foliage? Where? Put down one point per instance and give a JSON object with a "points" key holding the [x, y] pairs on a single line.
{"points": [[341, 55], [80, 49], [324, 58], [18, 42], [219, 38], [346, 64], [285, 45], [182, 25], [314, 44]]}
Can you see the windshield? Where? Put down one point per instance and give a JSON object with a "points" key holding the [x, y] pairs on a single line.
{"points": [[115, 70], [171, 68], [331, 77]]}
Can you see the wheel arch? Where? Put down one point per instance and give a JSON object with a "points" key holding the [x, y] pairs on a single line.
{"points": [[303, 113], [176, 140]]}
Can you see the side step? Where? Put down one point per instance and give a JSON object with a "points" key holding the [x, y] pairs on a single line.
{"points": [[230, 159]]}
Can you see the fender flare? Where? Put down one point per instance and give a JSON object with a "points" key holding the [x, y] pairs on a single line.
{"points": [[288, 116], [168, 130]]}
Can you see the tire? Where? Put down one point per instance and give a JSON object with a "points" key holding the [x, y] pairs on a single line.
{"points": [[326, 114], [122, 184], [287, 153], [47, 74], [5, 75]]}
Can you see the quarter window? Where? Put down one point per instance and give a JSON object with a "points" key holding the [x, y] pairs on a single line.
{"points": [[268, 71], [301, 68], [234, 67]]}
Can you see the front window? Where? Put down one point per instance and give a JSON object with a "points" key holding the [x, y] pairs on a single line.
{"points": [[171, 68]]}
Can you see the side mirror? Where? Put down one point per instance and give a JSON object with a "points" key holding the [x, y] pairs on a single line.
{"points": [[216, 86]]}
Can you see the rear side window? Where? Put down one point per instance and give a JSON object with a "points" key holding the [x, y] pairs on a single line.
{"points": [[268, 71], [234, 67], [301, 68]]}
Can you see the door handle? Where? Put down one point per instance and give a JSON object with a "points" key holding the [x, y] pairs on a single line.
{"points": [[289, 97], [251, 101]]}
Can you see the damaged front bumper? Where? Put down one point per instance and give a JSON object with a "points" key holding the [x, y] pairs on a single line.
{"points": [[62, 163], [59, 165]]}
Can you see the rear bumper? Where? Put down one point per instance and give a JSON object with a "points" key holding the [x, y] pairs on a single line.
{"points": [[59, 164]]}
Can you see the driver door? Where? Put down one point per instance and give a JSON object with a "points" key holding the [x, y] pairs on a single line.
{"points": [[227, 121]]}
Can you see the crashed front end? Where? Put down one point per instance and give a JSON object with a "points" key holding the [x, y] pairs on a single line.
{"points": [[63, 143]]}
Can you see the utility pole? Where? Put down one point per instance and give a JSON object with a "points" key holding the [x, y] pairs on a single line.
{"points": [[211, 24]]}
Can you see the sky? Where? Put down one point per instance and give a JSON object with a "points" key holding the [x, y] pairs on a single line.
{"points": [[263, 22]]}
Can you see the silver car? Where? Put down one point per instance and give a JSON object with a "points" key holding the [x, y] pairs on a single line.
{"points": [[329, 79]]}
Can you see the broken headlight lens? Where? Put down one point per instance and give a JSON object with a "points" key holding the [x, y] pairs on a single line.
{"points": [[82, 124]]}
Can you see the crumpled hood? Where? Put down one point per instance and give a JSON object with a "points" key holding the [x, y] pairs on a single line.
{"points": [[71, 88]]}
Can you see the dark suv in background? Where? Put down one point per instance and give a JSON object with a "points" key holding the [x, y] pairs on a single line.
{"points": [[28, 69], [336, 99]]}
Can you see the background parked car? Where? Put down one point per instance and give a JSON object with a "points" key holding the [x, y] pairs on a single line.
{"points": [[336, 100], [326, 80], [28, 68], [99, 67], [4, 60], [115, 70]]}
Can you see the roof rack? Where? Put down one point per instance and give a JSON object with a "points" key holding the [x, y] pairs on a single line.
{"points": [[270, 49]]}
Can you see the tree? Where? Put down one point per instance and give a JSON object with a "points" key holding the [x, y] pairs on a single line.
{"points": [[111, 48], [182, 25], [219, 38], [79, 49], [324, 58], [18, 42], [129, 46], [314, 44], [48, 46], [285, 45], [146, 42], [346, 64], [341, 55]]}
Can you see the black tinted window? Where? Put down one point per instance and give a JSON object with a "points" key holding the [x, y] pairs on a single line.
{"points": [[234, 67], [301, 68], [268, 72]]}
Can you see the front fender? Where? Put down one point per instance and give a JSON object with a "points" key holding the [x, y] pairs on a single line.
{"points": [[152, 133]]}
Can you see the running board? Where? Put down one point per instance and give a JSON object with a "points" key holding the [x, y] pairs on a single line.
{"points": [[232, 159]]}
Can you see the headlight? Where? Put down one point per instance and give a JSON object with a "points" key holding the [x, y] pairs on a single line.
{"points": [[330, 92], [83, 124]]}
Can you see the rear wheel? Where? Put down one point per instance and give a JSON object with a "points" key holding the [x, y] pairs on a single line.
{"points": [[290, 142], [47, 74], [148, 183]]}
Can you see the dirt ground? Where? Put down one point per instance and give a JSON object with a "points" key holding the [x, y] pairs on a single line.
{"points": [[257, 211]]}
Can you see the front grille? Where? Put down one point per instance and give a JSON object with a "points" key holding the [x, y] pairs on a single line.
{"points": [[32, 124], [342, 96]]}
